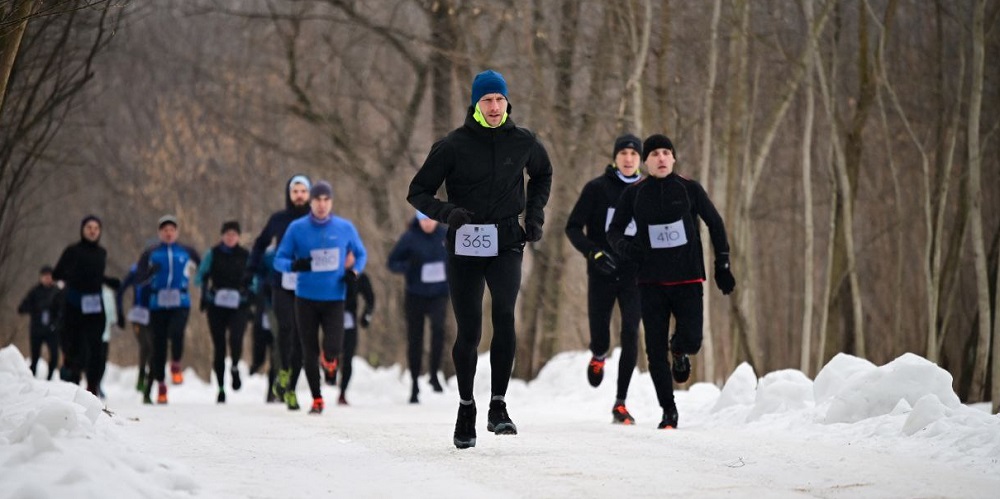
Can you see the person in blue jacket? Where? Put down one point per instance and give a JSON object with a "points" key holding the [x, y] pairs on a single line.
{"points": [[317, 247], [420, 255], [164, 267], [138, 316]]}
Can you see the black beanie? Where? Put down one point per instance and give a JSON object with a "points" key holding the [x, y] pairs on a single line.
{"points": [[656, 141], [89, 218], [627, 141], [321, 188], [230, 225]]}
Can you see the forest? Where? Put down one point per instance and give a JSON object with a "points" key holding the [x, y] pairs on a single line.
{"points": [[850, 145]]}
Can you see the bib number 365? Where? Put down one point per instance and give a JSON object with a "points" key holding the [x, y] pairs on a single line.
{"points": [[476, 240]]}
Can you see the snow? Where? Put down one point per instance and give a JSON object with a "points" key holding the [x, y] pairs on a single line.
{"points": [[858, 430]]}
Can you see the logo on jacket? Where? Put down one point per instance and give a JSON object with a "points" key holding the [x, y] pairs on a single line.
{"points": [[508, 162]]}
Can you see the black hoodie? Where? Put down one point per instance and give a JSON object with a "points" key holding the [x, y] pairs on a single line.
{"points": [[81, 267], [483, 171], [274, 231]]}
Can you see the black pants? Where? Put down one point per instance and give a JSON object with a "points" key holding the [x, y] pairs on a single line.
{"points": [[167, 325], [310, 315], [263, 339], [81, 344], [684, 303], [467, 279], [417, 308], [289, 343], [601, 296], [144, 337], [51, 340], [220, 321], [347, 357]]}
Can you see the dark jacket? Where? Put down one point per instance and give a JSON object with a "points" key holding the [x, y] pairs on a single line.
{"points": [[412, 252], [42, 306], [588, 222], [81, 267], [223, 268], [274, 231], [655, 201], [483, 172]]}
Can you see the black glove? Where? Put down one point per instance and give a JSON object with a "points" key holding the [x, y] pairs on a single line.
{"points": [[366, 320], [532, 231], [121, 320], [248, 276], [723, 276], [302, 264], [629, 249], [459, 217], [350, 277], [113, 282], [603, 262]]}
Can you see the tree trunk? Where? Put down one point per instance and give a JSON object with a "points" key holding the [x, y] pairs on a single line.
{"points": [[709, 366], [808, 286], [10, 40]]}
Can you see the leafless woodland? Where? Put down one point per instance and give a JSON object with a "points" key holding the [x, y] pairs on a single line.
{"points": [[851, 146]]}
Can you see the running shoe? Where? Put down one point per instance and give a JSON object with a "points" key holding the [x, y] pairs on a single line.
{"points": [[465, 426], [621, 415], [595, 371], [497, 419]]}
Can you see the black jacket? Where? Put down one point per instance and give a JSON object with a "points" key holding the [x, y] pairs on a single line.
{"points": [[362, 286], [81, 268], [655, 201], [483, 171], [42, 305], [274, 231], [590, 217], [414, 249]]}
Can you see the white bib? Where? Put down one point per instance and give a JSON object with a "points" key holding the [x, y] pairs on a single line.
{"points": [[669, 235], [168, 298], [91, 304], [476, 240], [139, 315], [45, 317], [432, 272], [348, 320], [265, 322], [227, 298], [630, 229], [325, 260], [289, 280]]}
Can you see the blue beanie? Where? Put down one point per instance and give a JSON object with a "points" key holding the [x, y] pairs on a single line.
{"points": [[488, 82]]}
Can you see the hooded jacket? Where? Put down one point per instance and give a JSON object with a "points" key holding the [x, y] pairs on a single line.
{"points": [[679, 203], [274, 231], [588, 222], [482, 170], [81, 266], [421, 258]]}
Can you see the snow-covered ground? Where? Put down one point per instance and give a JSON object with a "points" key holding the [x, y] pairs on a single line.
{"points": [[858, 430]]}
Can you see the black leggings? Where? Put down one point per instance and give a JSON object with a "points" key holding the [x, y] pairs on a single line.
{"points": [[289, 344], [310, 315], [51, 340], [221, 320], [167, 324], [467, 278], [658, 304], [144, 337], [81, 341], [417, 307], [601, 296], [347, 356]]}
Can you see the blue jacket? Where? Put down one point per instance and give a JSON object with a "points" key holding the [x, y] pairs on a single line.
{"points": [[163, 267], [306, 238], [421, 257]]}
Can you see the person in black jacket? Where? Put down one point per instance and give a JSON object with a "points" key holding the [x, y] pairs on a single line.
{"points": [[81, 268], [482, 165], [43, 308], [362, 287], [283, 286], [420, 255], [666, 207], [224, 296], [609, 276]]}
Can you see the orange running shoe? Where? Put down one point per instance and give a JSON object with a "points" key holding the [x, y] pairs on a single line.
{"points": [[317, 407], [161, 397], [175, 373], [595, 371], [621, 415]]}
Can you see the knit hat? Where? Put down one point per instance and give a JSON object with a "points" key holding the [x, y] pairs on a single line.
{"points": [[166, 219], [230, 225], [89, 218], [627, 141], [321, 188], [488, 82], [46, 269], [299, 179], [656, 141]]}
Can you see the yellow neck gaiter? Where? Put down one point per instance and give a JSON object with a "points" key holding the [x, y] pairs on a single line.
{"points": [[478, 115]]}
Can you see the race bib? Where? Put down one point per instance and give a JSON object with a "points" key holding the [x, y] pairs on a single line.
{"points": [[227, 298], [45, 317], [139, 315], [91, 304], [265, 322], [289, 280], [348, 320], [630, 229], [168, 298], [669, 235], [325, 260], [476, 240], [432, 272]]}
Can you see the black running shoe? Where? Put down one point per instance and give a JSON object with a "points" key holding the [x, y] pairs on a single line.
{"points": [[436, 385], [237, 383], [222, 396], [621, 415], [595, 371], [681, 369], [497, 419], [465, 426], [669, 421]]}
